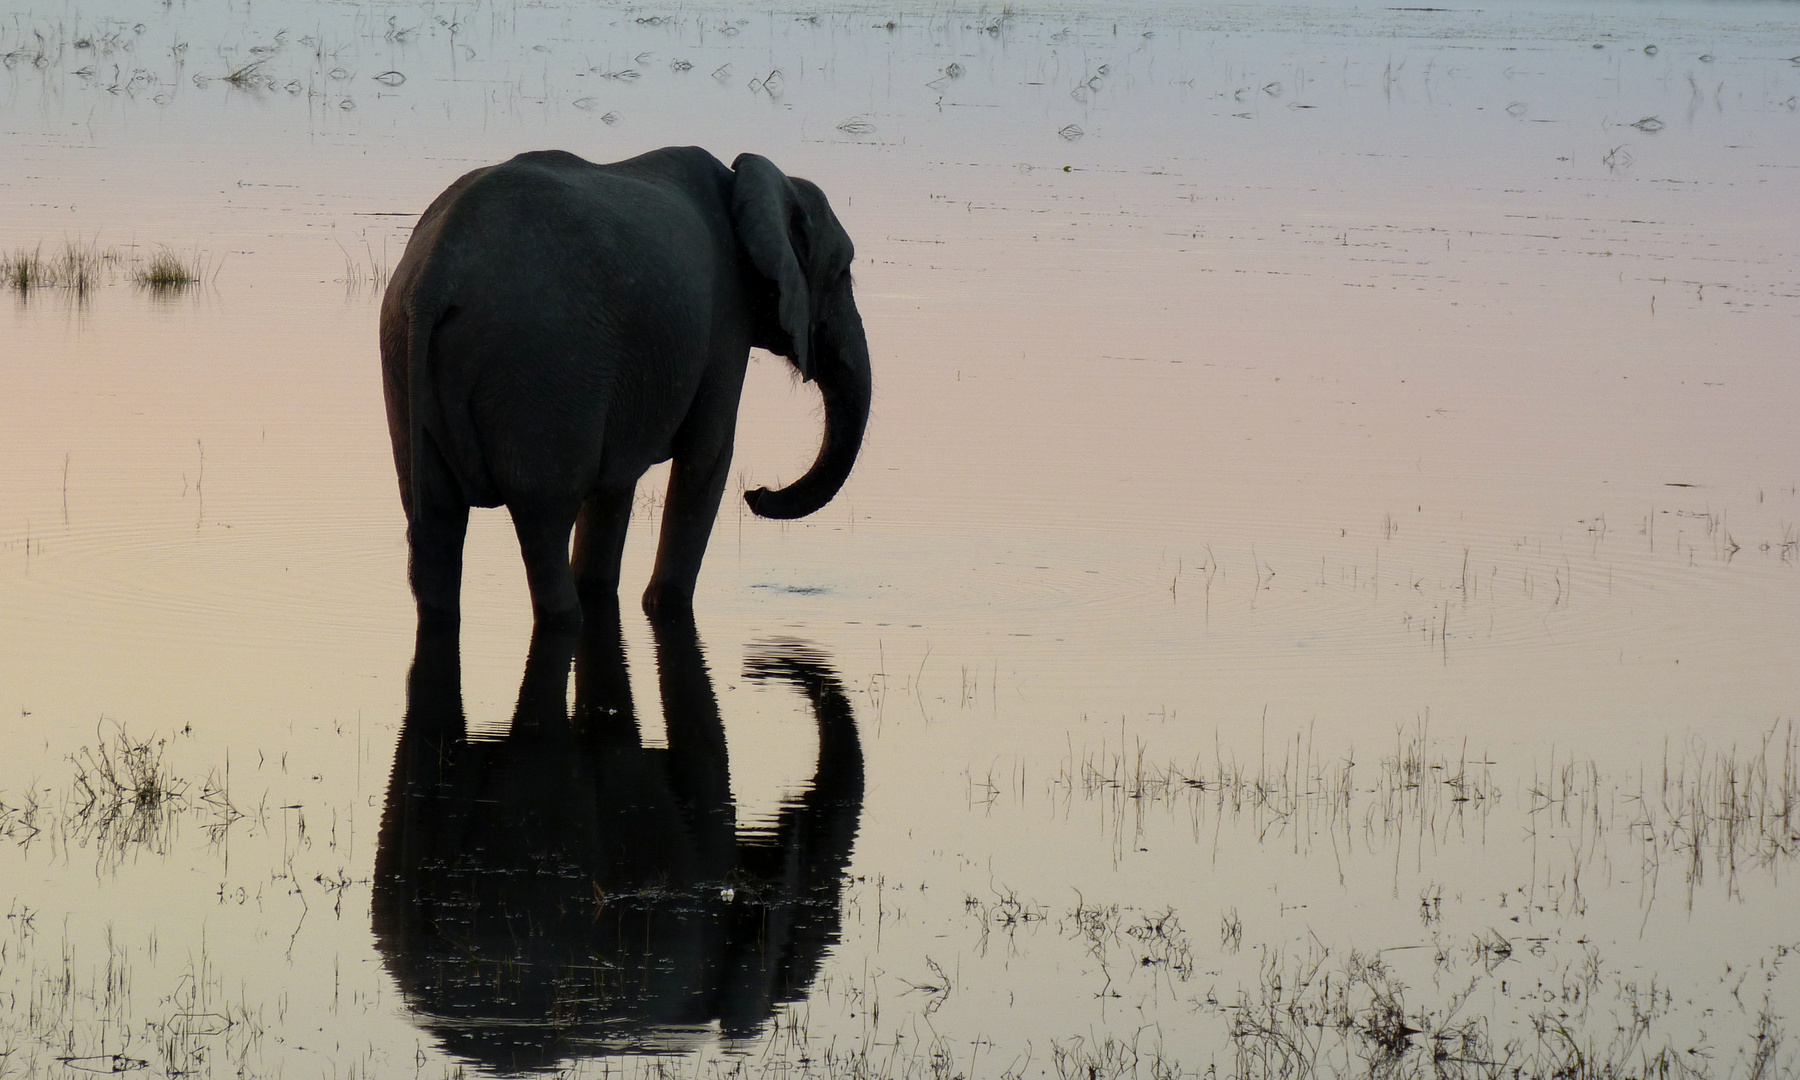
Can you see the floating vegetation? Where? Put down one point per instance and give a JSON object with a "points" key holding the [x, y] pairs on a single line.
{"points": [[857, 125]]}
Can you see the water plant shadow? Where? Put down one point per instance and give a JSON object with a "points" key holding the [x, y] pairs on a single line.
{"points": [[567, 891]]}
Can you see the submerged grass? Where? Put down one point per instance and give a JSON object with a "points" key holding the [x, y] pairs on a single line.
{"points": [[1710, 811], [1322, 1011], [73, 1014], [1311, 1018]]}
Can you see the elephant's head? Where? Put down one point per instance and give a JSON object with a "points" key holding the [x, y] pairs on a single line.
{"points": [[797, 246]]}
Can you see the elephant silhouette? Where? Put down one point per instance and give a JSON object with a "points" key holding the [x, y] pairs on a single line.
{"points": [[567, 891], [556, 327]]}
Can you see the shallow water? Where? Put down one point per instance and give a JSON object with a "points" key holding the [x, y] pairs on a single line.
{"points": [[1324, 553]]}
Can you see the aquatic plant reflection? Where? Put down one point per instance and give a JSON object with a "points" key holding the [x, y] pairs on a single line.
{"points": [[568, 891]]}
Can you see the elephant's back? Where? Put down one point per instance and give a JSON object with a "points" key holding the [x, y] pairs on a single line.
{"points": [[547, 226], [579, 300]]}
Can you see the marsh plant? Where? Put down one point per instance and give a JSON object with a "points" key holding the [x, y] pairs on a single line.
{"points": [[1705, 811], [123, 793], [80, 267], [1448, 1003], [124, 796], [24, 270], [166, 273], [367, 274], [1313, 1018]]}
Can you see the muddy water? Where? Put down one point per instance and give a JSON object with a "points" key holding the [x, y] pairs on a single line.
{"points": [[1318, 593]]}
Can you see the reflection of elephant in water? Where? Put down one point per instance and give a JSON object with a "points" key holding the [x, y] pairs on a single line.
{"points": [[556, 327], [567, 890]]}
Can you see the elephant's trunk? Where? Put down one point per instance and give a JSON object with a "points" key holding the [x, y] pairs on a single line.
{"points": [[841, 360]]}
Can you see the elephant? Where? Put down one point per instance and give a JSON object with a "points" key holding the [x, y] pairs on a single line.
{"points": [[567, 891], [555, 327]]}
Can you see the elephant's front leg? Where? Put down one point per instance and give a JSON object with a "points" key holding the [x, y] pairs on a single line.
{"points": [[696, 482]]}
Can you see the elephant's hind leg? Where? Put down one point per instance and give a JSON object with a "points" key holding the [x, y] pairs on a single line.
{"points": [[599, 545], [440, 520], [543, 530]]}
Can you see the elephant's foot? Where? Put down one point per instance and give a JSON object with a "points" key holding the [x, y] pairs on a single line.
{"points": [[598, 596], [664, 598], [556, 621]]}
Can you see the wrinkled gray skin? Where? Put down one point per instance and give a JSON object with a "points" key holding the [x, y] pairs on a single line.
{"points": [[557, 327]]}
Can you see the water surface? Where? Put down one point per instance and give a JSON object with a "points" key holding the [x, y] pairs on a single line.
{"points": [[1322, 565]]}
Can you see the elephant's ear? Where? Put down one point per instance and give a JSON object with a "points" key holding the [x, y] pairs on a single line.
{"points": [[765, 208]]}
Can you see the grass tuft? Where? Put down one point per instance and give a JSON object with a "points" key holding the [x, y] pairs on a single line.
{"points": [[124, 795], [166, 272], [23, 270], [78, 267], [367, 275]]}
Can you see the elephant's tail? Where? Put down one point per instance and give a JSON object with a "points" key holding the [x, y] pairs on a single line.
{"points": [[438, 412], [422, 320]]}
